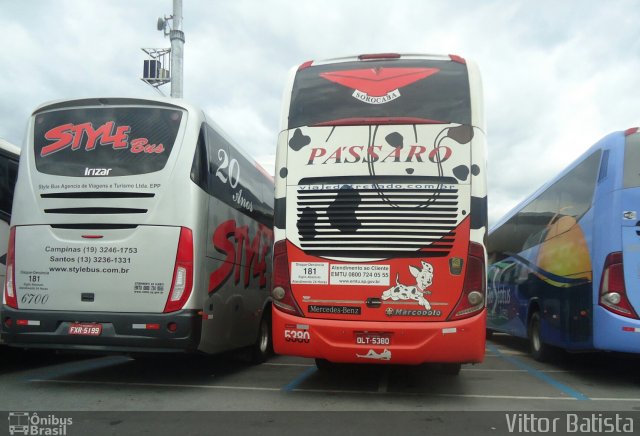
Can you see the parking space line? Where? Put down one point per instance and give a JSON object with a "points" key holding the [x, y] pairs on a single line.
{"points": [[329, 391], [161, 385], [294, 389], [539, 374], [70, 368], [430, 394]]}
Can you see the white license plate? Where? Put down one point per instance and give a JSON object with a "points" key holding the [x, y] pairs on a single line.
{"points": [[372, 338], [82, 329]]}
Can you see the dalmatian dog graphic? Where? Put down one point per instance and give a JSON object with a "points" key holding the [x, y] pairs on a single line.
{"points": [[424, 278]]}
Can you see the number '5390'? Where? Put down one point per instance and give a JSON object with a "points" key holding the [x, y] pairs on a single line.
{"points": [[297, 336]]}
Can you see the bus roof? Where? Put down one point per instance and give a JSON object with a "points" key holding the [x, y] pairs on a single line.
{"points": [[379, 56], [9, 147]]}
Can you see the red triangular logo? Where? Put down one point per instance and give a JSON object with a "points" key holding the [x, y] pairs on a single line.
{"points": [[379, 82]]}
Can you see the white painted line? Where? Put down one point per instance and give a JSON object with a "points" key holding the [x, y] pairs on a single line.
{"points": [[163, 385], [331, 391], [427, 394], [616, 399]]}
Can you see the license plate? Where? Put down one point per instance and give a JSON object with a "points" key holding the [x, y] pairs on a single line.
{"points": [[373, 338], [85, 329]]}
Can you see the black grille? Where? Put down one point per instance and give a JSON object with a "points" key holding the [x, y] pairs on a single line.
{"points": [[356, 218], [95, 210]]}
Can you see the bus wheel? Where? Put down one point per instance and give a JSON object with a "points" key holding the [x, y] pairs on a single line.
{"points": [[450, 368], [489, 334], [539, 350], [263, 347]]}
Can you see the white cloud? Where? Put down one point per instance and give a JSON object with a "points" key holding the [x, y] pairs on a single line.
{"points": [[557, 75]]}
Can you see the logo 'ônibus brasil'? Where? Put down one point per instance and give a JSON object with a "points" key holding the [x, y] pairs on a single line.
{"points": [[72, 135]]}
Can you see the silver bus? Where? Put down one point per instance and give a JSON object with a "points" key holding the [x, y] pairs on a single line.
{"points": [[9, 156], [137, 226]]}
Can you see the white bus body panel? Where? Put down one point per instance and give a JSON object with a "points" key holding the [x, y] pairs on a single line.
{"points": [[125, 270]]}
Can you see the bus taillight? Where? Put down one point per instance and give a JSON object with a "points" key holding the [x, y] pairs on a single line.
{"points": [[613, 293], [282, 296], [182, 274], [474, 289], [10, 297]]}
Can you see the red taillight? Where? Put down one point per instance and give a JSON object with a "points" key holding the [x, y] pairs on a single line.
{"points": [[368, 57], [282, 296], [474, 288], [305, 65], [458, 59], [10, 297], [182, 273], [613, 293]]}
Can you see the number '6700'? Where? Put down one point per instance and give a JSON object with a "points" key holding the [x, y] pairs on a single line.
{"points": [[297, 336]]}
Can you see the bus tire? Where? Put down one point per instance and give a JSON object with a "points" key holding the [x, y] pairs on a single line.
{"points": [[263, 347], [539, 350], [489, 334]]}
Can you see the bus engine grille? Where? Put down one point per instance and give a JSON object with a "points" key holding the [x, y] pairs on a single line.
{"points": [[378, 220]]}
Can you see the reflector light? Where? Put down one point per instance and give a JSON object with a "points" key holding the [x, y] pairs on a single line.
{"points": [[23, 322], [152, 326]]}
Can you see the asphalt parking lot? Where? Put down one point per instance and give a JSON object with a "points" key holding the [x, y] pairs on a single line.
{"points": [[508, 381]]}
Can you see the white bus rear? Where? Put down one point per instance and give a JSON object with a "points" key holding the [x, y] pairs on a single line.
{"points": [[125, 215]]}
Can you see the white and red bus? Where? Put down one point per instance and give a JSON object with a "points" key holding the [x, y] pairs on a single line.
{"points": [[137, 226], [381, 212]]}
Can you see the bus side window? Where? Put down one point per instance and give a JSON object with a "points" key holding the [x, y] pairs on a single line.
{"points": [[248, 193], [218, 150], [199, 167]]}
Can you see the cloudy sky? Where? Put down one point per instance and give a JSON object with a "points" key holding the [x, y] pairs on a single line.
{"points": [[558, 74]]}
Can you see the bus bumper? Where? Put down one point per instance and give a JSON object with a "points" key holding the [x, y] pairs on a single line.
{"points": [[120, 332], [613, 332], [409, 342]]}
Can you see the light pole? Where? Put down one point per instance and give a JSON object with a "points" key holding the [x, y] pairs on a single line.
{"points": [[155, 73], [177, 50]]}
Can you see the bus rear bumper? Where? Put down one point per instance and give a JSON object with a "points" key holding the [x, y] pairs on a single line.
{"points": [[365, 342], [119, 332], [613, 332]]}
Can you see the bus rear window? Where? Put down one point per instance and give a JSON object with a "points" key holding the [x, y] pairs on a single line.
{"points": [[427, 90], [115, 141]]}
